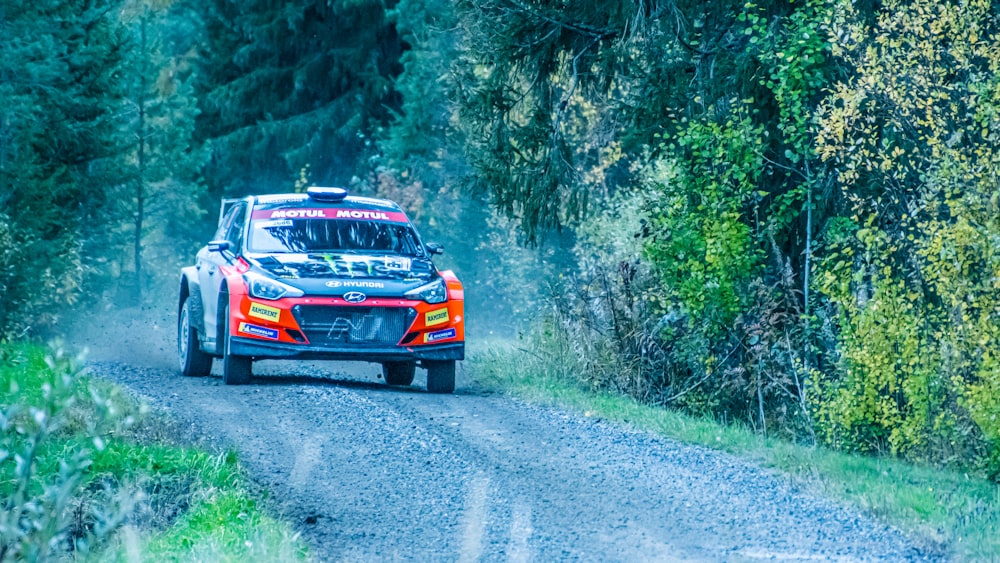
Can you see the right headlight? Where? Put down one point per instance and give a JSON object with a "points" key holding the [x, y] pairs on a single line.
{"points": [[266, 288], [434, 292]]}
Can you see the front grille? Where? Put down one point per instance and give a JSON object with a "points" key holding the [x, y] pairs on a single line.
{"points": [[371, 326]]}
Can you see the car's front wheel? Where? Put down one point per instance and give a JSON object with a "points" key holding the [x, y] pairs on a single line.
{"points": [[194, 362], [235, 369], [440, 376], [399, 373]]}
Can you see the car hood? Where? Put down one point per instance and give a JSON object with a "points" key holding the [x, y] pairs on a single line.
{"points": [[337, 274]]}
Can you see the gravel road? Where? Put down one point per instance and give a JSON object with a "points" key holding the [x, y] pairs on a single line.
{"points": [[367, 472]]}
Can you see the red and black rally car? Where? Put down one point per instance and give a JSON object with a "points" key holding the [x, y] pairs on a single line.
{"points": [[320, 275]]}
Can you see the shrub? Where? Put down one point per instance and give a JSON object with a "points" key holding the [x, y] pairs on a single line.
{"points": [[738, 360], [52, 426]]}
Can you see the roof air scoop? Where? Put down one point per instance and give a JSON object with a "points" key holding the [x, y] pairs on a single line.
{"points": [[327, 194]]}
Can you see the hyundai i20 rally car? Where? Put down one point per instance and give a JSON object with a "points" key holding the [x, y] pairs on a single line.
{"points": [[320, 275]]}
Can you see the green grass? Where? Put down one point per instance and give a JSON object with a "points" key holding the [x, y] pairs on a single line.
{"points": [[186, 504], [223, 520], [957, 510]]}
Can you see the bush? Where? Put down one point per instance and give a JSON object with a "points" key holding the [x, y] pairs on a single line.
{"points": [[911, 376], [638, 337], [53, 426]]}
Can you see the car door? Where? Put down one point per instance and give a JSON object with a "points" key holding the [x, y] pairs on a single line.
{"points": [[209, 262]]}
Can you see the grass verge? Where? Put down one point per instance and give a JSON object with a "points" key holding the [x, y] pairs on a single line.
{"points": [[86, 472], [959, 511]]}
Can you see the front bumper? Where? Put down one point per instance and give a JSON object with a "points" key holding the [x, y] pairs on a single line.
{"points": [[329, 328], [261, 350]]}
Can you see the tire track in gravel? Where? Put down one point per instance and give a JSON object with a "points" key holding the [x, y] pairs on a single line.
{"points": [[367, 472]]}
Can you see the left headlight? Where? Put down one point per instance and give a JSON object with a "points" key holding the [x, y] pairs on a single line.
{"points": [[266, 288], [434, 292]]}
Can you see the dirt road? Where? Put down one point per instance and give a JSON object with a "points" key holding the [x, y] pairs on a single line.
{"points": [[367, 472]]}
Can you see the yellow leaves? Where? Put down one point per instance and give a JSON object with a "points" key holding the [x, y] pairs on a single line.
{"points": [[909, 65]]}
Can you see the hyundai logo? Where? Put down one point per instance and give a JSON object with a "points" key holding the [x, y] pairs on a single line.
{"points": [[333, 283], [355, 297]]}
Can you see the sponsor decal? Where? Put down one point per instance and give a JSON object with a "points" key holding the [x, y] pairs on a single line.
{"points": [[402, 264], [264, 332], [364, 284], [355, 297], [433, 318], [342, 324], [329, 213], [265, 312], [299, 214], [439, 335], [274, 224], [357, 214], [274, 199]]}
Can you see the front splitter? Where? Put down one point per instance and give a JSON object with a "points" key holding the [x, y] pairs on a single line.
{"points": [[261, 350]]}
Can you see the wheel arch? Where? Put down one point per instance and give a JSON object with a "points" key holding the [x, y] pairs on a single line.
{"points": [[191, 289], [222, 313], [455, 290]]}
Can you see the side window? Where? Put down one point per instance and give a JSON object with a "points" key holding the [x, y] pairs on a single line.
{"points": [[226, 222], [234, 232]]}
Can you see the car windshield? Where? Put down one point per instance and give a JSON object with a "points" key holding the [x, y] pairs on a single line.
{"points": [[332, 236]]}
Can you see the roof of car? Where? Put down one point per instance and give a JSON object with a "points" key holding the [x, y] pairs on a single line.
{"points": [[351, 201]]}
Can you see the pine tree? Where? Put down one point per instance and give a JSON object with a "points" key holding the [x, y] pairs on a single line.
{"points": [[161, 196], [58, 160], [294, 84]]}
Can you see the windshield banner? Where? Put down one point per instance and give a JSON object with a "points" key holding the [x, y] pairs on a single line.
{"points": [[328, 213]]}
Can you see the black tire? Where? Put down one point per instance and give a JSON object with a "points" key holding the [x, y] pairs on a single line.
{"points": [[440, 376], [194, 362], [399, 373], [235, 369]]}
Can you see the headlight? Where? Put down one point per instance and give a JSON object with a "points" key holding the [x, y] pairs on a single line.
{"points": [[266, 288], [434, 292]]}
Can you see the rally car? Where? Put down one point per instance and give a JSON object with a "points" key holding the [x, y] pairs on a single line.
{"points": [[321, 275]]}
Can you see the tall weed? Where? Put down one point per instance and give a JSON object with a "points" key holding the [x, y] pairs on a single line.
{"points": [[52, 427]]}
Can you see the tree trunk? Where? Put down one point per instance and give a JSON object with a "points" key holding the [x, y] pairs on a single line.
{"points": [[806, 268], [141, 163]]}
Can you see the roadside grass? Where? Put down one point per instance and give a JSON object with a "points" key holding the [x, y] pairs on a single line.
{"points": [[88, 473], [957, 511]]}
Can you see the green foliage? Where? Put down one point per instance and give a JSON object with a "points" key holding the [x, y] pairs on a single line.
{"points": [[283, 85], [44, 404], [159, 201], [565, 105], [57, 151], [915, 289], [540, 91], [424, 137], [892, 397], [821, 216], [211, 512], [74, 482], [794, 56], [702, 245]]}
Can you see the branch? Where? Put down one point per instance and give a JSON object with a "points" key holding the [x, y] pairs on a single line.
{"points": [[786, 168], [576, 28]]}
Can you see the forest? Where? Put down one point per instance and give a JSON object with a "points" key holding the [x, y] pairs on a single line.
{"points": [[780, 213]]}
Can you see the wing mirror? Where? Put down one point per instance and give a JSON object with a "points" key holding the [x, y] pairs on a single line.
{"points": [[434, 248], [219, 245]]}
